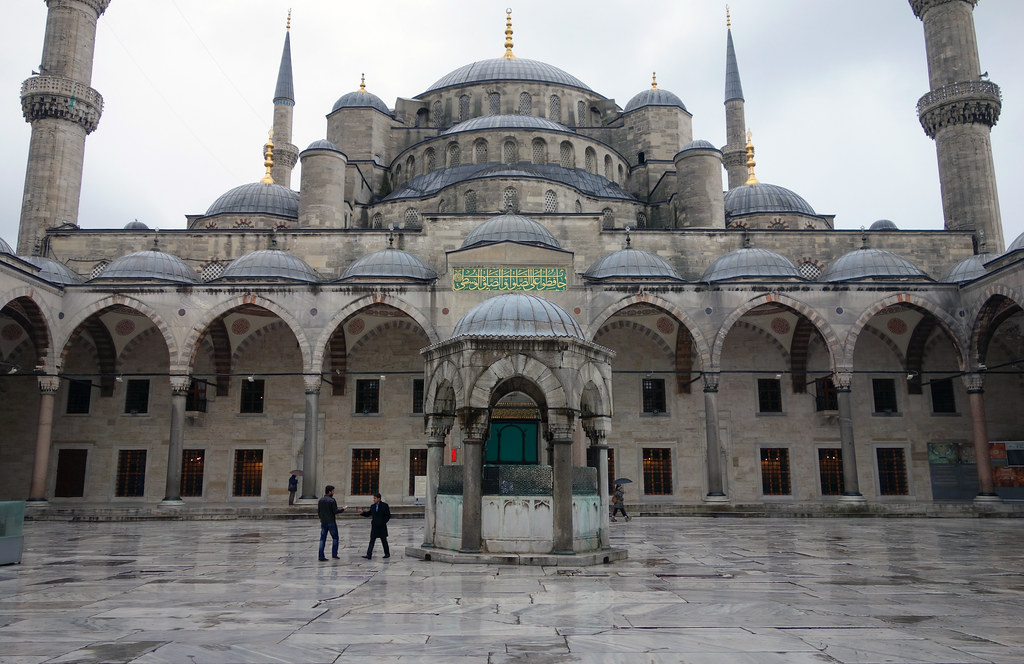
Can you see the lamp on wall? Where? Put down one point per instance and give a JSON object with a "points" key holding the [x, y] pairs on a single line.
{"points": [[251, 378]]}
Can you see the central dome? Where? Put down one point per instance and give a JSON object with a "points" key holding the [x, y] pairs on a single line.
{"points": [[511, 228], [517, 315], [507, 69]]}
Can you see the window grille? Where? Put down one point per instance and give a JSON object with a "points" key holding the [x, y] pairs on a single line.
{"points": [[540, 151], [884, 390], [641, 220], [368, 396], [508, 153], [365, 471], [471, 201], [555, 108], [943, 396], [378, 220], [892, 471], [437, 114], [769, 395], [579, 206], [412, 218], [252, 393], [247, 480], [510, 198], [621, 178], [463, 108], [565, 159], [550, 201], [608, 218], [830, 469], [79, 397], [525, 104], [480, 151], [454, 156], [653, 395], [212, 270], [131, 473], [808, 270], [826, 397], [609, 169], [192, 465], [410, 167], [775, 479], [417, 468], [136, 396], [195, 398], [442, 206], [590, 160], [98, 269], [494, 103], [657, 471], [430, 158], [581, 113], [417, 395]]}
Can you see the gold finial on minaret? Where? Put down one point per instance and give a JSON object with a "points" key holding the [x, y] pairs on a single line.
{"points": [[750, 160], [268, 153], [728, 19], [288, 26], [508, 34], [654, 80], [362, 82]]}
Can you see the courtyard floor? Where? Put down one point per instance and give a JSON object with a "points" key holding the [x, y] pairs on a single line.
{"points": [[694, 590]]}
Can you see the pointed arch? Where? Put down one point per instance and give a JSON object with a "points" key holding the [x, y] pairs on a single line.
{"points": [[954, 329], [21, 305], [513, 366], [997, 303], [446, 374], [132, 303]]}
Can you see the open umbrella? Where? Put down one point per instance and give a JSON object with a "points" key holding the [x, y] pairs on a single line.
{"points": [[297, 473], [623, 480]]}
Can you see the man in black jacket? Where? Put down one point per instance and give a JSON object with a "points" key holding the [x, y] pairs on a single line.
{"points": [[379, 514], [328, 508]]}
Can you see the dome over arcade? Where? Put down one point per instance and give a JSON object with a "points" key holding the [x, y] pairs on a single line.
{"points": [[257, 198], [5, 248], [389, 263], [764, 198], [511, 228], [517, 315], [52, 271], [270, 265], [751, 262], [150, 265], [323, 144], [868, 263], [136, 226], [506, 122], [506, 69], [361, 99], [630, 263], [883, 225], [968, 269], [654, 96]]}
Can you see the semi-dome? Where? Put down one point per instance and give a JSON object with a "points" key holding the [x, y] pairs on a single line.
{"points": [[751, 262], [270, 265], [323, 144], [361, 99], [506, 122], [52, 271], [883, 225], [868, 263], [258, 198], [517, 315], [630, 263], [390, 263], [136, 226], [5, 248], [654, 97], [761, 197], [151, 265], [511, 228], [507, 69], [968, 269]]}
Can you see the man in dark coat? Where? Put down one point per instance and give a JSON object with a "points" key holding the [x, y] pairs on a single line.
{"points": [[328, 510], [379, 514]]}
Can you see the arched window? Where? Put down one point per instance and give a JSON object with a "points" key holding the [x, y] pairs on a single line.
{"points": [[607, 218], [555, 108], [410, 167], [579, 206], [471, 201], [430, 159], [540, 151], [494, 103], [581, 113], [566, 156], [211, 270], [378, 221], [809, 269], [641, 220], [609, 170], [442, 206], [641, 158], [480, 151], [454, 155], [620, 180], [421, 117], [525, 104], [510, 200], [463, 108], [550, 201], [412, 218], [590, 160], [437, 114], [509, 152]]}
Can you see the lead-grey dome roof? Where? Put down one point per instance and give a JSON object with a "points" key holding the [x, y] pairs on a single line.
{"points": [[52, 271], [751, 262], [361, 99], [1016, 245], [883, 225], [654, 97], [270, 265], [5, 248], [136, 226], [507, 69], [389, 263], [506, 122], [868, 263], [699, 144], [517, 315], [761, 197], [968, 269], [510, 228], [151, 265], [632, 263], [257, 198], [323, 144]]}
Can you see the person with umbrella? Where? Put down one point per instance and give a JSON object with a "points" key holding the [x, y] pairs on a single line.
{"points": [[618, 504]]}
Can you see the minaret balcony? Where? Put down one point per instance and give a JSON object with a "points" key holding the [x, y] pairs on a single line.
{"points": [[963, 102], [59, 97]]}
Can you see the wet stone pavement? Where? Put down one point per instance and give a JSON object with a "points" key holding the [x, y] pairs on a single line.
{"points": [[694, 590]]}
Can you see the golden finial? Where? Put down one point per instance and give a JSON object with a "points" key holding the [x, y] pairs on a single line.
{"points": [[508, 34], [751, 179], [288, 26], [268, 153], [728, 19], [654, 80], [362, 82]]}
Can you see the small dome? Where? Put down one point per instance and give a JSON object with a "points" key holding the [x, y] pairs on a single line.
{"points": [[258, 198], [506, 122], [867, 263], [511, 228], [149, 265], [760, 197], [1016, 245], [389, 263], [52, 271], [968, 269], [136, 226], [361, 99], [270, 265], [751, 262], [323, 144], [883, 225], [699, 144], [632, 263], [5, 248], [507, 69], [517, 315], [654, 97]]}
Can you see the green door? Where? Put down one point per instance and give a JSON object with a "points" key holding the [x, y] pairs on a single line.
{"points": [[512, 443]]}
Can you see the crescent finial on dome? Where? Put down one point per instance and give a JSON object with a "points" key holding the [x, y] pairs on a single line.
{"points": [[751, 179], [654, 80], [362, 82], [268, 158], [508, 35]]}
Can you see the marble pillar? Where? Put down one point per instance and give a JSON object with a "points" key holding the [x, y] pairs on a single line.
{"points": [[175, 444], [851, 483], [437, 430], [974, 383], [311, 437], [474, 423], [596, 428], [561, 494], [716, 480], [48, 386]]}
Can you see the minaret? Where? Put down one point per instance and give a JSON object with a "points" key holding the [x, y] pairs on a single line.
{"points": [[285, 154], [62, 109], [959, 113], [734, 154]]}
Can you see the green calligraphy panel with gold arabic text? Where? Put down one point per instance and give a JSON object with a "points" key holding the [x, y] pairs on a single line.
{"points": [[509, 279]]}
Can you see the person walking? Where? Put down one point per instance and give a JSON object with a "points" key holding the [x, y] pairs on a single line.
{"points": [[293, 486], [618, 504], [328, 510], [379, 514]]}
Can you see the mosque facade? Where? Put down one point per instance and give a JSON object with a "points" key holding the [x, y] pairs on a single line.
{"points": [[511, 269]]}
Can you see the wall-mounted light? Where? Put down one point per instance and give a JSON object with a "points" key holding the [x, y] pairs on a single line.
{"points": [[251, 378], [118, 379], [911, 375]]}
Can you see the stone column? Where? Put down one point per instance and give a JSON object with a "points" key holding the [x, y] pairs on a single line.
{"points": [[986, 484], [561, 494], [851, 483], [474, 423], [179, 392], [311, 436], [437, 430], [596, 429], [716, 481], [48, 386]]}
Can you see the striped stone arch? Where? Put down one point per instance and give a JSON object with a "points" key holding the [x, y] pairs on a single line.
{"points": [[982, 317], [251, 337], [772, 340], [384, 328], [444, 374], [124, 301], [889, 343], [510, 367], [191, 345], [955, 330], [699, 342], [591, 374], [832, 344], [643, 330], [340, 316], [41, 333], [137, 340]]}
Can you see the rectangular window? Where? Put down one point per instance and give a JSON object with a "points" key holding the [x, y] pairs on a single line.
{"points": [[611, 471], [136, 397], [192, 465], [70, 473], [368, 396], [654, 395], [830, 470], [365, 471], [775, 471], [252, 396], [826, 397], [657, 471], [417, 395], [892, 471], [769, 395], [884, 390], [195, 400], [417, 468], [248, 475], [131, 472], [79, 396], [943, 396]]}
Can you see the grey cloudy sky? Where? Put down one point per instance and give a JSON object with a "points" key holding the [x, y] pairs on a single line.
{"points": [[830, 89]]}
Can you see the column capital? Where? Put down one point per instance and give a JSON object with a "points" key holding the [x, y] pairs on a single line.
{"points": [[843, 380], [311, 383], [438, 427], [921, 7], [180, 384], [48, 384], [711, 381], [475, 422], [973, 382]]}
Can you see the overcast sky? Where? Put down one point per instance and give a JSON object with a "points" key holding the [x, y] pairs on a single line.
{"points": [[830, 89]]}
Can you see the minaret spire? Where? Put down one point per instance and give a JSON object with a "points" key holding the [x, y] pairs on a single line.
{"points": [[284, 101], [734, 153]]}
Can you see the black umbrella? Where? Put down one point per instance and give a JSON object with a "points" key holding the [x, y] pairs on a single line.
{"points": [[623, 480]]}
